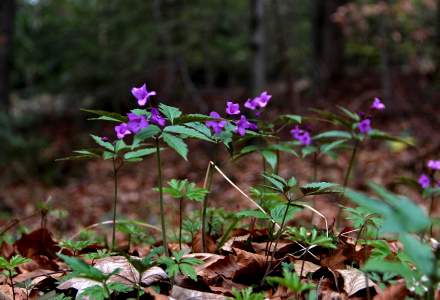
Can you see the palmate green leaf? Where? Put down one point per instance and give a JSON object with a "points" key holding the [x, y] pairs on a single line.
{"points": [[318, 188], [119, 287], [333, 134], [82, 154], [277, 213], [170, 112], [106, 115], [139, 153], [96, 292], [283, 147], [271, 158], [306, 151], [194, 192], [291, 118], [188, 270], [145, 134], [200, 127], [276, 181], [107, 145], [176, 143], [187, 132]]}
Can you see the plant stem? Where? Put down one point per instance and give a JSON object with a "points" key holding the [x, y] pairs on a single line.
{"points": [[346, 178], [206, 185], [12, 285], [115, 200], [180, 222], [162, 211], [227, 232]]}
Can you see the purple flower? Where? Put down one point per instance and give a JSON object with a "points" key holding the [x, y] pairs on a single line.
{"points": [[142, 94], [364, 126], [157, 118], [424, 181], [217, 126], [244, 124], [105, 139], [433, 165], [303, 136], [122, 130], [377, 104], [258, 102], [136, 123], [232, 108]]}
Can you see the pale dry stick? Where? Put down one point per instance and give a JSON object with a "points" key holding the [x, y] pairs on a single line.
{"points": [[146, 225], [243, 193], [207, 186]]}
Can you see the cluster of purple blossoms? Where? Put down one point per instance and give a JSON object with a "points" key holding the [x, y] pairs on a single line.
{"points": [[233, 109], [301, 135], [138, 122], [424, 179], [364, 125]]}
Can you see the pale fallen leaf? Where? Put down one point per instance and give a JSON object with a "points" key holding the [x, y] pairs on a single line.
{"points": [[127, 274], [180, 293], [354, 281], [227, 247], [6, 292], [308, 267]]}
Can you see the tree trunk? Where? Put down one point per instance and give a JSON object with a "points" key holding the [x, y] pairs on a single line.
{"points": [[327, 42], [7, 14], [258, 43]]}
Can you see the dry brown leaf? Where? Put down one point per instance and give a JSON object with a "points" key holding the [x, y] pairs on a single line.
{"points": [[6, 292], [38, 242], [197, 245], [227, 247], [308, 267], [355, 281], [250, 266], [397, 291], [180, 293]]}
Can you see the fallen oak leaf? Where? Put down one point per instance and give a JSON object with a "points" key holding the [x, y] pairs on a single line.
{"points": [[38, 242], [355, 281], [180, 293]]}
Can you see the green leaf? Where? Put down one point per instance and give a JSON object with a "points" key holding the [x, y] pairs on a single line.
{"points": [[192, 118], [292, 118], [170, 112], [421, 254], [200, 127], [333, 134], [119, 287], [383, 266], [354, 116], [333, 145], [139, 153], [82, 269], [188, 270], [380, 135], [252, 214], [100, 142], [278, 212], [188, 132], [176, 143], [95, 292], [146, 133], [283, 148], [106, 115], [317, 188], [271, 158], [278, 182]]}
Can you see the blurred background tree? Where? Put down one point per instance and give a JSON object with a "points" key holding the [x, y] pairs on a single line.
{"points": [[59, 55]]}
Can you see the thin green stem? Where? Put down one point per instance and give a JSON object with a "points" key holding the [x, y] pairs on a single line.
{"points": [[115, 201], [180, 222], [206, 185], [346, 178], [227, 232], [162, 210]]}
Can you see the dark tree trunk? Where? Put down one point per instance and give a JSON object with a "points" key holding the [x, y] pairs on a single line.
{"points": [[258, 43], [327, 42], [7, 14]]}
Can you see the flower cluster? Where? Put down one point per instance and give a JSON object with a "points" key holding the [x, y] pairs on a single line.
{"points": [[233, 109], [301, 135], [138, 122], [426, 180], [364, 126]]}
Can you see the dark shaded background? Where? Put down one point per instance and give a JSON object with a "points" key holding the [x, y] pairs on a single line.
{"points": [[57, 56]]}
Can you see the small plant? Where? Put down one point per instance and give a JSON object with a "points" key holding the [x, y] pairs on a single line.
{"points": [[183, 189], [291, 281], [103, 289], [9, 267], [247, 294], [180, 265], [75, 246]]}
